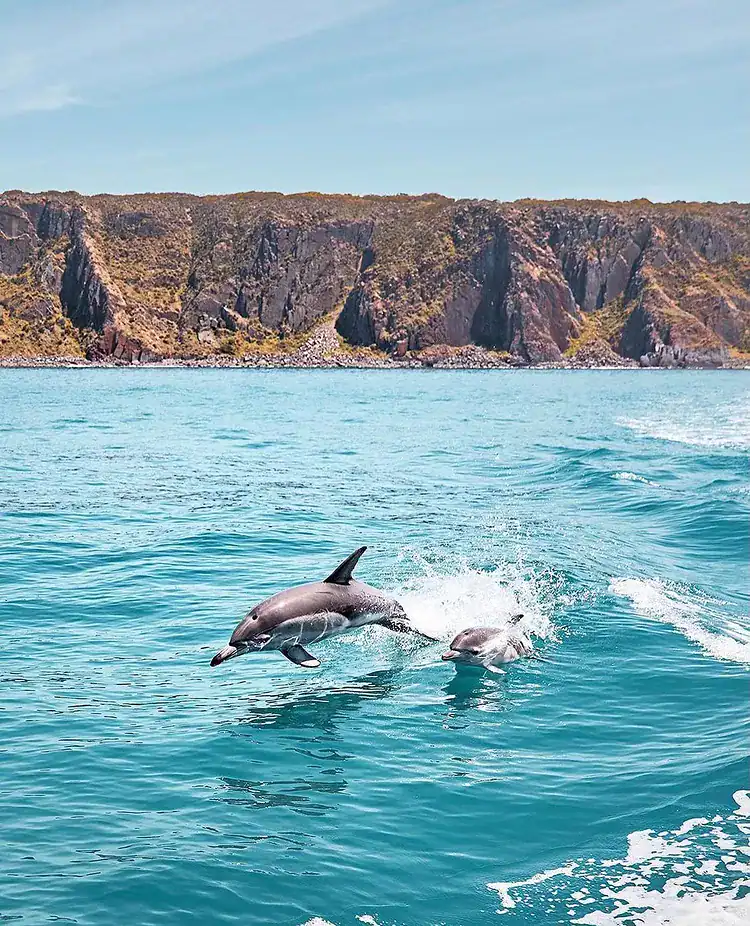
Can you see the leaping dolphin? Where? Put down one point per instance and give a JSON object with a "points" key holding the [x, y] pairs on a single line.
{"points": [[490, 647], [308, 613]]}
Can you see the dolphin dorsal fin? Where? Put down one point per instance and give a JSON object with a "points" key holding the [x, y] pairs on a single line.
{"points": [[342, 575]]}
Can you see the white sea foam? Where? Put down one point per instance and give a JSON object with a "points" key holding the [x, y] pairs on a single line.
{"points": [[504, 887], [671, 908], [634, 477], [683, 877], [688, 613], [742, 800], [723, 427]]}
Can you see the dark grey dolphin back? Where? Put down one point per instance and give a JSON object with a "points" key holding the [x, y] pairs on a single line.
{"points": [[342, 575]]}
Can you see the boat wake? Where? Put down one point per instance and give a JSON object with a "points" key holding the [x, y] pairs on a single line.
{"points": [[696, 617], [724, 427]]}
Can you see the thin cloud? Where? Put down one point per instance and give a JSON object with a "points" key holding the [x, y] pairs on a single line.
{"points": [[119, 49]]}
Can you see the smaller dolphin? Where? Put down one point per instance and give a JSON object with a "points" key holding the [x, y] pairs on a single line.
{"points": [[306, 614], [490, 647]]}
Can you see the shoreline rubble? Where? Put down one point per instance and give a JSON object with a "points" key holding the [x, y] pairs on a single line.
{"points": [[290, 362], [324, 349]]}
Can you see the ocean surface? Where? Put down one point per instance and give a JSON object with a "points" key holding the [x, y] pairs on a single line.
{"points": [[142, 512]]}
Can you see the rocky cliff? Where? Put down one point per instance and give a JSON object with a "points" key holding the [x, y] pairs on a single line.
{"points": [[169, 275]]}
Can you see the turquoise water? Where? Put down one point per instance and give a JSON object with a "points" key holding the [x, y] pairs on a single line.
{"points": [[143, 511]]}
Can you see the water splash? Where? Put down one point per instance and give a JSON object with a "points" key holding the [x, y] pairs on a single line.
{"points": [[689, 613], [442, 604]]}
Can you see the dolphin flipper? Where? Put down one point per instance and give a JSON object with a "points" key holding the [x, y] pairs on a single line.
{"points": [[402, 626], [300, 657]]}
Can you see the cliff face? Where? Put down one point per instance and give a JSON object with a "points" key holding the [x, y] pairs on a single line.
{"points": [[142, 277], [465, 273]]}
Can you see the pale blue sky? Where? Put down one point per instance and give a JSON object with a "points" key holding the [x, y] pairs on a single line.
{"points": [[471, 98]]}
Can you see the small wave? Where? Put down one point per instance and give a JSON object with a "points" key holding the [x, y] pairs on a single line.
{"points": [[694, 875], [318, 921], [688, 613], [634, 477]]}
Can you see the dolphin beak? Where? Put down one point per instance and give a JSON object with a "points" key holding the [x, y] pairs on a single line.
{"points": [[223, 655], [451, 654]]}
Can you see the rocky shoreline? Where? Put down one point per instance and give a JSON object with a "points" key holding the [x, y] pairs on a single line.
{"points": [[325, 349], [281, 362]]}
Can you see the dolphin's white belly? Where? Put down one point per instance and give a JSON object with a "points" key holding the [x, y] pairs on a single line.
{"points": [[501, 657], [508, 650], [310, 628]]}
